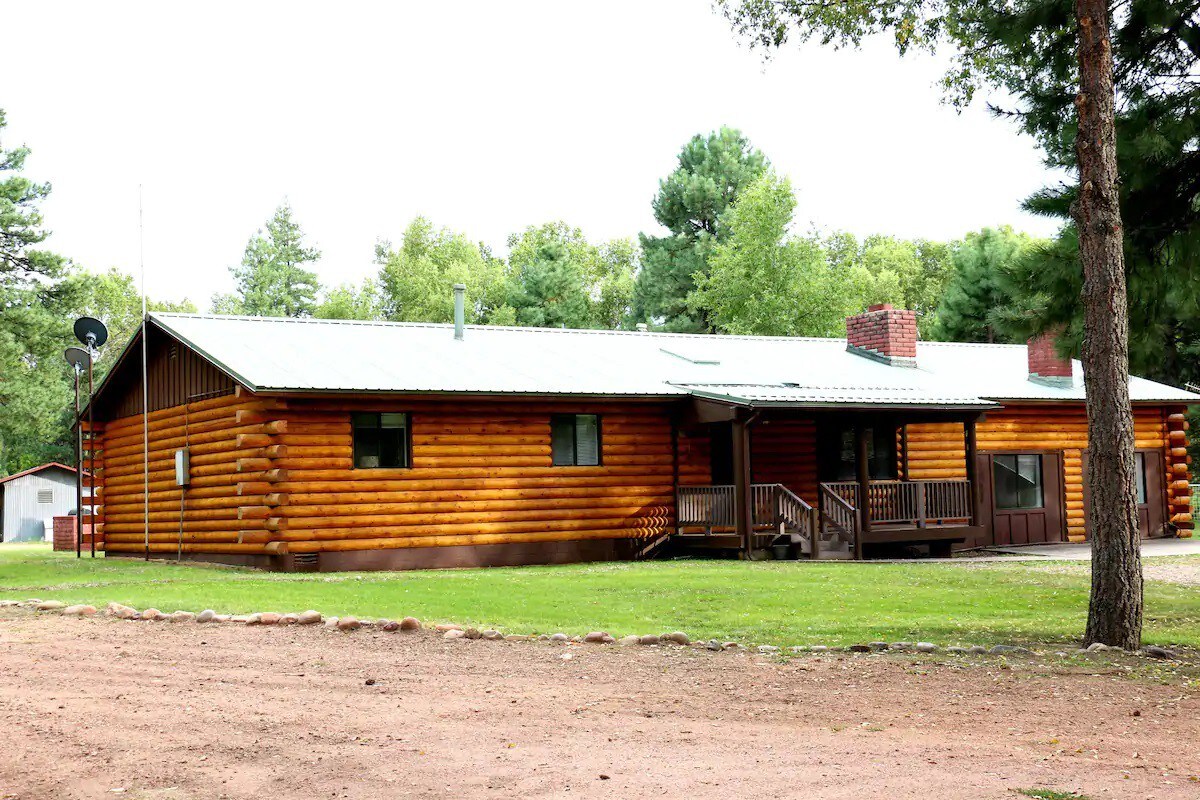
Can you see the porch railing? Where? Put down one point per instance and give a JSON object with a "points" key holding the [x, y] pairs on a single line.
{"points": [[773, 505], [910, 502]]}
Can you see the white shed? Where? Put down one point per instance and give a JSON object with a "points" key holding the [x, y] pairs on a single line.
{"points": [[31, 497]]}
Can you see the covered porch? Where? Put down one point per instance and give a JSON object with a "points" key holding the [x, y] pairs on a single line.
{"points": [[821, 482]]}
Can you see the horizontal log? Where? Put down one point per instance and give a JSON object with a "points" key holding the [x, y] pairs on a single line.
{"points": [[188, 548], [540, 505], [478, 539], [515, 527], [551, 516], [450, 492]]}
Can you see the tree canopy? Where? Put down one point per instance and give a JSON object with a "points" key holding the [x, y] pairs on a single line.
{"points": [[712, 170], [272, 281]]}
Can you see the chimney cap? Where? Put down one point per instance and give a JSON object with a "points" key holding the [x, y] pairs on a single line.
{"points": [[460, 287]]}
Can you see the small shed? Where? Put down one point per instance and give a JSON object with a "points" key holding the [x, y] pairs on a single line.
{"points": [[31, 498]]}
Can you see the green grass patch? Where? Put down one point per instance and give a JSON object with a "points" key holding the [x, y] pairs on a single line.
{"points": [[781, 603], [1051, 794]]}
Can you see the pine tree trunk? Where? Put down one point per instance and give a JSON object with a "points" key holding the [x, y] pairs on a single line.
{"points": [[1115, 610]]}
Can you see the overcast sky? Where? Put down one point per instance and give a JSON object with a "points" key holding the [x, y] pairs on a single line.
{"points": [[486, 117]]}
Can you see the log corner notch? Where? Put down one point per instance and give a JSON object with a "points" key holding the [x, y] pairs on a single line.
{"points": [[260, 474], [1179, 490]]}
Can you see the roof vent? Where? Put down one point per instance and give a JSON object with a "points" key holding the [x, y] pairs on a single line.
{"points": [[460, 290], [642, 327]]}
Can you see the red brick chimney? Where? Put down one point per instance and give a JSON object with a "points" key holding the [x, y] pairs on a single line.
{"points": [[1045, 364], [884, 333]]}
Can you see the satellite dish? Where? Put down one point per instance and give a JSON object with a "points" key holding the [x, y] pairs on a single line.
{"points": [[90, 328], [77, 357]]}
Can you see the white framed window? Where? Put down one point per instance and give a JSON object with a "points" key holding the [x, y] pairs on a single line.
{"points": [[575, 440]]}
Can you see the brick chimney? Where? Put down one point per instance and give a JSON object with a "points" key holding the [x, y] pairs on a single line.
{"points": [[884, 333], [1045, 364]]}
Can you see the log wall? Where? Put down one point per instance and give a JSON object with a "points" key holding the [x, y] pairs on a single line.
{"points": [[937, 450], [274, 477]]}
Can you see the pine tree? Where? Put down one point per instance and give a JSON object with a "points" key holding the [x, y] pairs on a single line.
{"points": [[712, 171], [271, 280]]}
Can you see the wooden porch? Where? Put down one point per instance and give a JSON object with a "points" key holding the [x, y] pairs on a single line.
{"points": [[870, 515]]}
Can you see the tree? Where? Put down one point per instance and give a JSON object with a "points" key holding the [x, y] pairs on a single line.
{"points": [[416, 281], [272, 280], [712, 171], [980, 296], [1115, 608], [550, 266], [349, 302], [21, 224], [765, 281], [613, 288]]}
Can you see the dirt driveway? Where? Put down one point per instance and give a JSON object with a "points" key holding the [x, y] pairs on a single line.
{"points": [[100, 708]]}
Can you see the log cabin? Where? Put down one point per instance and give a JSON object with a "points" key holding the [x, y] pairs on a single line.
{"points": [[301, 444]]}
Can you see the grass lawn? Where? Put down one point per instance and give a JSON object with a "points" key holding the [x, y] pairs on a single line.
{"points": [[781, 603]]}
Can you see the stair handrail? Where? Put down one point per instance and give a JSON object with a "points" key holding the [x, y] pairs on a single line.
{"points": [[839, 513]]}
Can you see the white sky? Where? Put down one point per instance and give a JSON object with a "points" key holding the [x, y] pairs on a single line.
{"points": [[486, 117]]}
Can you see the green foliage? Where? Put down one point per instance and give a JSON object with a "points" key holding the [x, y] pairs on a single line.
{"points": [[559, 279], [981, 301], [712, 171], [271, 280], [21, 224], [349, 302], [416, 281], [550, 266], [765, 281]]}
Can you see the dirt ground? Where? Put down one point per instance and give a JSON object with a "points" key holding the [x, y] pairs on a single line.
{"points": [[101, 708]]}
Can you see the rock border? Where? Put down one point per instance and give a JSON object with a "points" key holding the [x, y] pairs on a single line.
{"points": [[347, 624]]}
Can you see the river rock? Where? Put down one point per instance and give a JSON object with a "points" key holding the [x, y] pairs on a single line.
{"points": [[207, 615], [649, 638], [50, 605], [878, 646], [79, 611], [446, 626], [598, 637], [454, 633], [518, 637], [819, 648], [289, 619], [183, 616], [409, 624], [348, 624], [559, 637], [269, 618], [860, 648], [768, 648], [473, 633], [389, 625], [309, 617], [678, 637], [492, 636], [628, 640], [957, 650], [977, 650], [151, 614], [925, 647], [1009, 650], [120, 611]]}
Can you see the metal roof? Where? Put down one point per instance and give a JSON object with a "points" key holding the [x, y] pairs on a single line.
{"points": [[37, 469], [307, 355]]}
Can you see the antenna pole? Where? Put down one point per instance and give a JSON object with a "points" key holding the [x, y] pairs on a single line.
{"points": [[145, 387], [91, 451], [78, 470]]}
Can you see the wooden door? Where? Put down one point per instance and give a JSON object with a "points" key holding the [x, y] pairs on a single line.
{"points": [[1026, 515], [983, 502], [721, 450], [1152, 495]]}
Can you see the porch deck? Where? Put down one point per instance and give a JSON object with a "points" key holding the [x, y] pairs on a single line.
{"points": [[937, 513]]}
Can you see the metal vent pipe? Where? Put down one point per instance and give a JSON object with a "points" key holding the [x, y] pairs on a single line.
{"points": [[460, 290]]}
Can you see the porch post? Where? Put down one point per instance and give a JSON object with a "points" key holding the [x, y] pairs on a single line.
{"points": [[864, 487], [742, 501], [972, 450]]}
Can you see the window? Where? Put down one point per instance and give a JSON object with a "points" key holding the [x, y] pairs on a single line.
{"points": [[1139, 463], [1018, 481], [575, 440], [381, 441], [838, 459], [45, 496]]}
